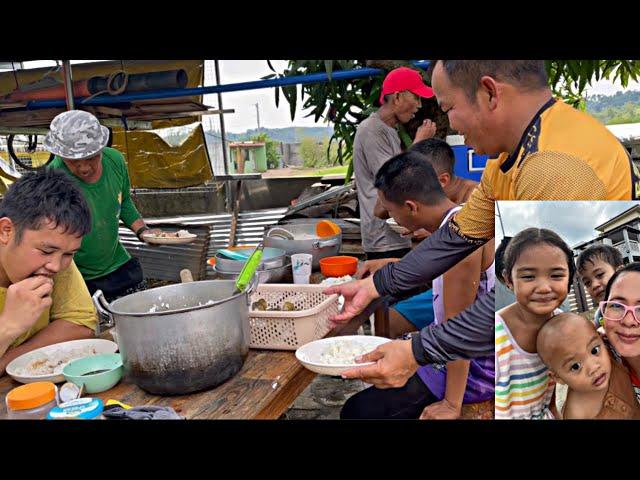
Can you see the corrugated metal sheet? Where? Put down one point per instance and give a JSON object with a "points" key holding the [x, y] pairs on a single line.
{"points": [[164, 262]]}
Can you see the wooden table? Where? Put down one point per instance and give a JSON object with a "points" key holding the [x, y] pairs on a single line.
{"points": [[265, 387]]}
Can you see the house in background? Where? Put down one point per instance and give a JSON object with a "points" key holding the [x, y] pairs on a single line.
{"points": [[629, 136]]}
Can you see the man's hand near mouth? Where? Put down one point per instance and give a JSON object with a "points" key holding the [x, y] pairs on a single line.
{"points": [[26, 300]]}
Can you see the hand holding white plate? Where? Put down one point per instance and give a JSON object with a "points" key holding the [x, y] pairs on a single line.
{"points": [[332, 356]]}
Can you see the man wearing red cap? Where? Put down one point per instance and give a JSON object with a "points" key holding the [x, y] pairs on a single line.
{"points": [[376, 142]]}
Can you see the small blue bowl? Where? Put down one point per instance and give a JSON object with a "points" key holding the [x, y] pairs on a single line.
{"points": [[97, 373]]}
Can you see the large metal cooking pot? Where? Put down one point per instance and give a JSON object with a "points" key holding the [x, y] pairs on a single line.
{"points": [[318, 247], [181, 338]]}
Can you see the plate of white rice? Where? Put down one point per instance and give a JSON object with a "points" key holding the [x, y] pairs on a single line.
{"points": [[45, 364], [332, 356]]}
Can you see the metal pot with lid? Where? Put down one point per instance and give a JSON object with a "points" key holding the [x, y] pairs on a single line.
{"points": [[305, 240]]}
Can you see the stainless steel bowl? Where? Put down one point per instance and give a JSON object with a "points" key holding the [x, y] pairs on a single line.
{"points": [[229, 265], [318, 247], [270, 275]]}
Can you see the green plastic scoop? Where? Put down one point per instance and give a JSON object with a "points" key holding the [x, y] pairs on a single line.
{"points": [[249, 268]]}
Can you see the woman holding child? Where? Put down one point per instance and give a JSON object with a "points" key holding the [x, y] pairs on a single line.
{"points": [[621, 319], [537, 345]]}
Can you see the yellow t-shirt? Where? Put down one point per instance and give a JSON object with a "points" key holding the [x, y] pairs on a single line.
{"points": [[70, 301], [564, 154]]}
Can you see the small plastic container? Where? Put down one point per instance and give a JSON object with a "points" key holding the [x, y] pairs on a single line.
{"points": [[301, 267], [301, 279], [79, 409], [31, 401], [338, 266]]}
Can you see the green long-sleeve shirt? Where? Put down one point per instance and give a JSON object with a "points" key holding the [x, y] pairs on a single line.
{"points": [[109, 200]]}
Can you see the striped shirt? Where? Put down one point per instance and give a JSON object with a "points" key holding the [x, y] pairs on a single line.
{"points": [[523, 387]]}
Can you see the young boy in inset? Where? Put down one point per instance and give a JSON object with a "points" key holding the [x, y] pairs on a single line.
{"points": [[596, 265], [598, 388]]}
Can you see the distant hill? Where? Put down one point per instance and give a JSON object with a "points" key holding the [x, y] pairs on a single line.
{"points": [[598, 103], [623, 107], [285, 135]]}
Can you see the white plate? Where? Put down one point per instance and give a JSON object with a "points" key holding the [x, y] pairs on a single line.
{"points": [[170, 240], [310, 355], [14, 369], [395, 227]]}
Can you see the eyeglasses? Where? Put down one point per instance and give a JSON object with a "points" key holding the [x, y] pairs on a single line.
{"points": [[616, 311]]}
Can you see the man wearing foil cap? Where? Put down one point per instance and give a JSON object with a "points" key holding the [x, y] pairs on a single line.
{"points": [[80, 145]]}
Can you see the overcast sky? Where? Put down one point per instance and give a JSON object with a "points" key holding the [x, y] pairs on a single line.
{"points": [[245, 117], [573, 221], [234, 71]]}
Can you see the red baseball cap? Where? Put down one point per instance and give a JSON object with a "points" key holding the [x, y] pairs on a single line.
{"points": [[403, 78]]}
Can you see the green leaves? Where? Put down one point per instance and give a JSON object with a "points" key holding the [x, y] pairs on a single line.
{"points": [[569, 78], [346, 103], [328, 65], [340, 102], [404, 136], [291, 94]]}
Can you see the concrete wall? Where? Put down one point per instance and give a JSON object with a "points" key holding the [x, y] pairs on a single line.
{"points": [[256, 195], [290, 154]]}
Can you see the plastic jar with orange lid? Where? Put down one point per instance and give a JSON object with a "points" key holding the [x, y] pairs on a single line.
{"points": [[31, 401]]}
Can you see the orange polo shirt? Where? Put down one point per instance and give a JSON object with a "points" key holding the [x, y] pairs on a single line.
{"points": [[564, 154]]}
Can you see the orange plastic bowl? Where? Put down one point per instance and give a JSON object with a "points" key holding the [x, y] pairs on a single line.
{"points": [[338, 266]]}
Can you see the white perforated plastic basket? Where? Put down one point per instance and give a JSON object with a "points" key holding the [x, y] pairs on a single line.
{"points": [[288, 330]]}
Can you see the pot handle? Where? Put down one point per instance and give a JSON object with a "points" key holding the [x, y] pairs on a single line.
{"points": [[102, 306], [253, 285], [326, 243]]}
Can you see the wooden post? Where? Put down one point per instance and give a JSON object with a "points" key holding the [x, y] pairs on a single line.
{"points": [[234, 214], [240, 157]]}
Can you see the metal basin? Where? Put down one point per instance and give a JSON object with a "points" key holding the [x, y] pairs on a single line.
{"points": [[277, 258], [269, 275], [317, 247]]}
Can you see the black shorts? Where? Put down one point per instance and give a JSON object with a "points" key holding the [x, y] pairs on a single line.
{"points": [[406, 402], [123, 281]]}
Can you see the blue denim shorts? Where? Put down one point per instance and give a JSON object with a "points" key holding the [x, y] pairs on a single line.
{"points": [[418, 310]]}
